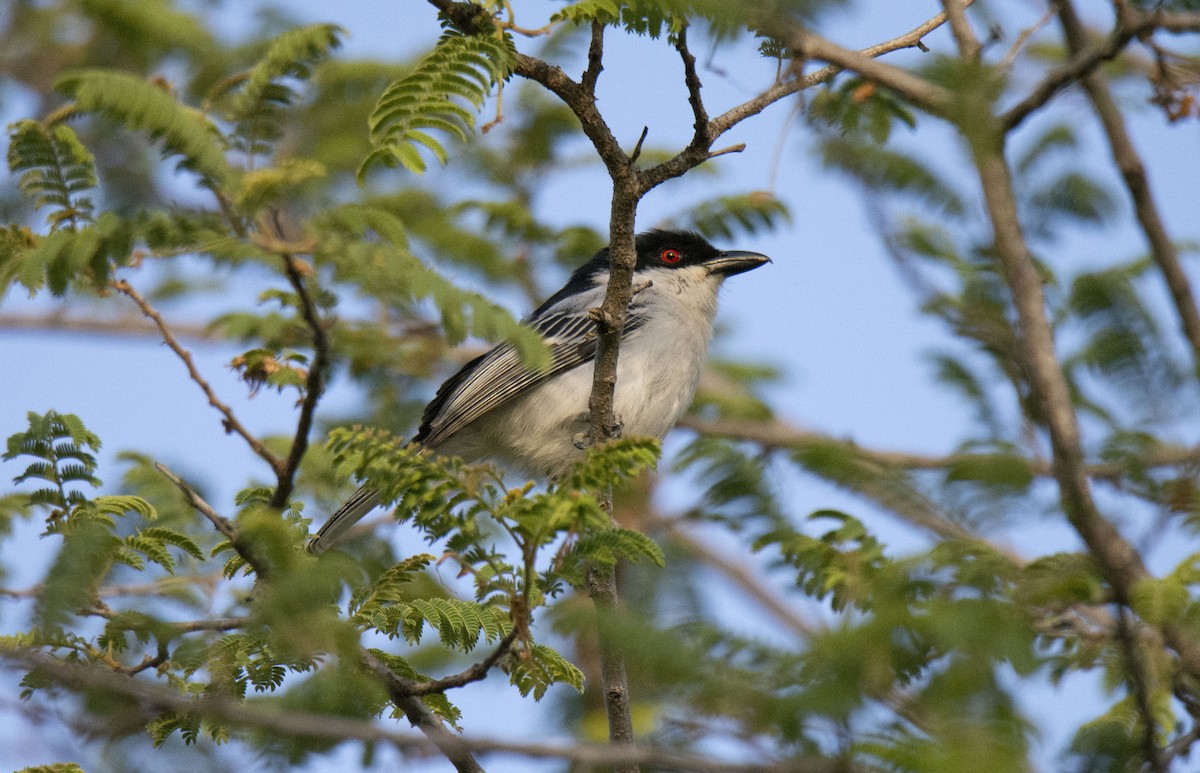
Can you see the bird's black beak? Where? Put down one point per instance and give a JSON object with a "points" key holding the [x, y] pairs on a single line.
{"points": [[735, 262]]}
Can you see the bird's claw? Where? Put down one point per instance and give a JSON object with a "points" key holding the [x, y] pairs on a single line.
{"points": [[584, 440]]}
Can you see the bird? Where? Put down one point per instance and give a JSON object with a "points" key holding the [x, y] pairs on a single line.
{"points": [[529, 420]]}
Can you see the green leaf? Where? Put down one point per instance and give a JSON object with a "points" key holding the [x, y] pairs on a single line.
{"points": [[750, 213], [56, 170], [535, 670], [999, 470], [613, 463], [256, 106], [1078, 196], [890, 171], [461, 70], [606, 546], [70, 584], [1158, 601], [142, 105]]}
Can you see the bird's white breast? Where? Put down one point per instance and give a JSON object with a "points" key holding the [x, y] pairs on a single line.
{"points": [[658, 367]]}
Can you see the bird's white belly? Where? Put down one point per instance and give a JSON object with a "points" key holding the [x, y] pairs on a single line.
{"points": [[536, 433]]}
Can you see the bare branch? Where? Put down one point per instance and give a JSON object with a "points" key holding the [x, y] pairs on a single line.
{"points": [[778, 434], [694, 154], [1133, 171], [595, 59], [968, 44], [911, 39], [126, 325], [473, 673], [422, 718], [1129, 25], [700, 138], [1023, 38], [314, 384], [222, 524], [230, 420]]}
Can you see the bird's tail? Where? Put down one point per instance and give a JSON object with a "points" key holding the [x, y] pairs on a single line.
{"points": [[364, 501]]}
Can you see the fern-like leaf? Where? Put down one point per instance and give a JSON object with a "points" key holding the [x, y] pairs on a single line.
{"points": [[262, 91], [55, 168], [145, 106], [442, 93], [540, 668], [750, 213]]}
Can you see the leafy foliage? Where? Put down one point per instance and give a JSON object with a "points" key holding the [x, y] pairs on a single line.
{"points": [[258, 96], [150, 107], [461, 68], [55, 170]]}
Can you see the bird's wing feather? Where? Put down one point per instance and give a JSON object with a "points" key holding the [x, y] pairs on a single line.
{"points": [[364, 501], [495, 378]]}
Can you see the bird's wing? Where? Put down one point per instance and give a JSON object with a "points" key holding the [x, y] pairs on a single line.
{"points": [[493, 379], [484, 384], [364, 501]]}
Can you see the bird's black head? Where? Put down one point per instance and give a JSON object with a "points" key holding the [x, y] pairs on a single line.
{"points": [[662, 249], [672, 249]]}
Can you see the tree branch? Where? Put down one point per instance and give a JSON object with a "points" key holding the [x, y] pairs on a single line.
{"points": [[473, 673], [314, 383], [222, 524], [155, 698], [1133, 171], [1120, 563], [422, 718], [230, 422], [778, 434], [1129, 25]]}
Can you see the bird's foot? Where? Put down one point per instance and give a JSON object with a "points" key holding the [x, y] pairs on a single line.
{"points": [[584, 440]]}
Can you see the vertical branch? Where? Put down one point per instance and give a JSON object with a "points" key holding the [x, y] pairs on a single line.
{"points": [[700, 139], [314, 383], [595, 59], [968, 44], [1133, 171], [1120, 563], [1137, 680]]}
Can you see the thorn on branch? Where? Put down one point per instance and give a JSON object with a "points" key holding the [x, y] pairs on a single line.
{"points": [[637, 149], [738, 148]]}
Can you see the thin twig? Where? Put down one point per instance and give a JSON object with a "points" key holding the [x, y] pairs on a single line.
{"points": [[738, 572], [693, 155], [473, 673], [1010, 58], [314, 383], [700, 124], [230, 421], [222, 524], [1129, 25]]}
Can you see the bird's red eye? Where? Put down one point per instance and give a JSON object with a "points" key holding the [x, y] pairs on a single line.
{"points": [[671, 255]]}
